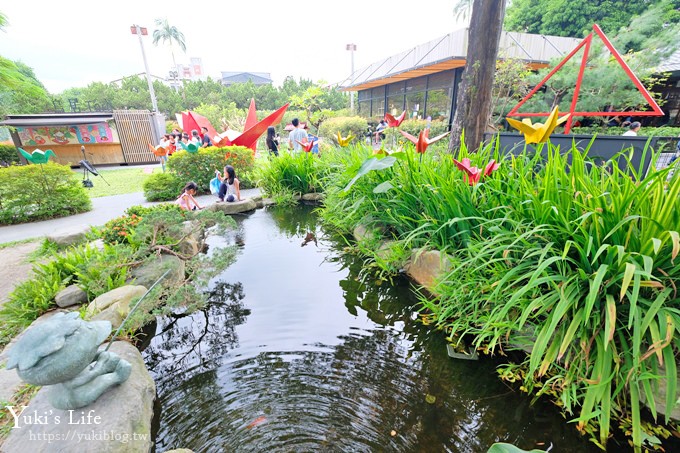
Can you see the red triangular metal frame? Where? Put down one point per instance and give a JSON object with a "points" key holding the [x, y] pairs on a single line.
{"points": [[656, 111]]}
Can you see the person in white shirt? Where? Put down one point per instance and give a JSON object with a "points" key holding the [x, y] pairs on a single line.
{"points": [[633, 128], [296, 135]]}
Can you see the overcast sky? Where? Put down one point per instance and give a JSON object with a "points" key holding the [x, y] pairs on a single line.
{"points": [[72, 42]]}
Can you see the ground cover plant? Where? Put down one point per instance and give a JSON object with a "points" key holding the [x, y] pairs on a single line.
{"points": [[37, 192], [574, 257], [138, 238]]}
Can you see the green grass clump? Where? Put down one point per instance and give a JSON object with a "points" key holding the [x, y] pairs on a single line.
{"points": [[579, 256], [120, 181]]}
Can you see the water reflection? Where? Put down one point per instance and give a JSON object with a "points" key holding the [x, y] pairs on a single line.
{"points": [[303, 356], [188, 344]]}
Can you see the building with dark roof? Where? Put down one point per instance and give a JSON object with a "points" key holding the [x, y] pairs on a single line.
{"points": [[258, 78], [423, 80]]}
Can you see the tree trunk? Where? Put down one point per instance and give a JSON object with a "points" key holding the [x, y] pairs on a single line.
{"points": [[473, 104]]}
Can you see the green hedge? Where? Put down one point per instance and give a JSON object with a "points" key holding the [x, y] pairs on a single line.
{"points": [[8, 155], [162, 187], [37, 192], [200, 166], [346, 125], [665, 131]]}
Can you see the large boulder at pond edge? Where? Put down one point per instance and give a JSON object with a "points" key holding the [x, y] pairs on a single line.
{"points": [[234, 207], [147, 274], [114, 306], [426, 267], [120, 420], [69, 236], [193, 234], [71, 295], [313, 196]]}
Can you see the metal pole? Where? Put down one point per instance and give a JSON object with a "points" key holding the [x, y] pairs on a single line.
{"points": [[146, 68], [351, 48], [351, 96]]}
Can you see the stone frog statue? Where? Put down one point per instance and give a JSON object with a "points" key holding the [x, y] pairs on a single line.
{"points": [[63, 352]]}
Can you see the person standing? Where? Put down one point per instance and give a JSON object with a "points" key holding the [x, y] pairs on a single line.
{"points": [[272, 141], [297, 136], [206, 138], [633, 129]]}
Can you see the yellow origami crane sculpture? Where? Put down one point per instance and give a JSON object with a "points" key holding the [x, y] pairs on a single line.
{"points": [[344, 141], [538, 132]]}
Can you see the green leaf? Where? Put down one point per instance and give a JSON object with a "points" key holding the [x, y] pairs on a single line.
{"points": [[383, 187], [502, 447], [371, 164], [627, 277], [610, 320]]}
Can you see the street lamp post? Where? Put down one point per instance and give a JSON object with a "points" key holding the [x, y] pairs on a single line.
{"points": [[139, 31], [351, 48]]}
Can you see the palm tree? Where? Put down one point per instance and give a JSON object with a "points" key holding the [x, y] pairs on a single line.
{"points": [[169, 33]]}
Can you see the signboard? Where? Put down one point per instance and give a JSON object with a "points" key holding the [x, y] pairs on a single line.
{"points": [[81, 134]]}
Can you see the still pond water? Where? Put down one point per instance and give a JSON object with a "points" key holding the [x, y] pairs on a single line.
{"points": [[296, 353]]}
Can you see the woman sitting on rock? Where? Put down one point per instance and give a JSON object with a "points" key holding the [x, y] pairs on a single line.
{"points": [[229, 189]]}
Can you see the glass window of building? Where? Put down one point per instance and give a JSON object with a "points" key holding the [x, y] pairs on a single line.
{"points": [[439, 103], [395, 98]]}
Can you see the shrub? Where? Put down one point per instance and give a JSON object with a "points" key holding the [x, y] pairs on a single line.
{"points": [[200, 166], [35, 192], [117, 231], [142, 211], [290, 173], [8, 155], [346, 125], [162, 187]]}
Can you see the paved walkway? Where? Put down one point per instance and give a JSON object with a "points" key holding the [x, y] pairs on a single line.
{"points": [[103, 210]]}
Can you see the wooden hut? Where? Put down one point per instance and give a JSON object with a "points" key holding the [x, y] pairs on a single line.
{"points": [[110, 138]]}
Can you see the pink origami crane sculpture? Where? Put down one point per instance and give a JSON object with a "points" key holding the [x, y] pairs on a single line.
{"points": [[474, 174], [395, 122], [423, 140], [252, 131]]}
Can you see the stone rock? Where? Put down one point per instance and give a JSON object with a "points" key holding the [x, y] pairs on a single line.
{"points": [[98, 244], [147, 274], [234, 207], [268, 202], [120, 420], [312, 197], [180, 450], [114, 314], [660, 396], [69, 236], [256, 198], [426, 267], [387, 252], [192, 243], [363, 233], [119, 298], [9, 384], [71, 295]]}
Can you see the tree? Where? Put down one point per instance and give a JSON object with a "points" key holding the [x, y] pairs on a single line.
{"points": [[168, 34], [571, 18], [643, 43], [473, 104], [20, 89]]}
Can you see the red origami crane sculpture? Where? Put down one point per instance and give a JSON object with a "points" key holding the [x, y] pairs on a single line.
{"points": [[423, 140], [395, 122], [307, 146], [474, 174], [252, 131]]}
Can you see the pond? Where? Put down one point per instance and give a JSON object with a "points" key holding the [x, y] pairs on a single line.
{"points": [[298, 350]]}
